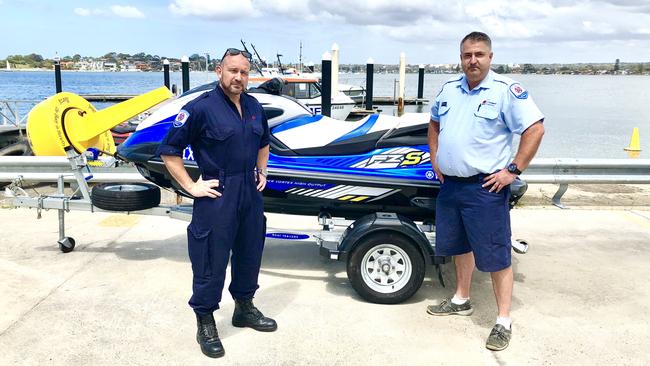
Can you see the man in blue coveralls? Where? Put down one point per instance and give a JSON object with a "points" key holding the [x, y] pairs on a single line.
{"points": [[473, 120], [229, 136]]}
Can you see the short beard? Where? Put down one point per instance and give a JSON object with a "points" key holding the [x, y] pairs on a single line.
{"points": [[231, 90]]}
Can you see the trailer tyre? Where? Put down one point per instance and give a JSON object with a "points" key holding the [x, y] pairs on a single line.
{"points": [[20, 148], [386, 268], [125, 196]]}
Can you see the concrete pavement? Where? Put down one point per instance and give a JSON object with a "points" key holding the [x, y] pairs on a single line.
{"points": [[581, 296]]}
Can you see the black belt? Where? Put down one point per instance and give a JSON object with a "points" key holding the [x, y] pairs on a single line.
{"points": [[221, 173], [476, 178]]}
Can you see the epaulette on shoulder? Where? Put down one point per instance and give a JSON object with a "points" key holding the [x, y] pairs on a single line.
{"points": [[503, 79], [455, 79], [196, 100]]}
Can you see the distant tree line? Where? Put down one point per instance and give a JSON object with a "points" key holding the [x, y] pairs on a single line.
{"points": [[36, 61], [28, 61], [198, 62], [586, 69]]}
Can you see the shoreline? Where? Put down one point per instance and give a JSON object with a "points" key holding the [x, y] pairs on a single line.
{"points": [[340, 73]]}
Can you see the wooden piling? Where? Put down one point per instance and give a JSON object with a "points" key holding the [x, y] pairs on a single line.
{"points": [[370, 70], [326, 93], [402, 82], [166, 73], [185, 68]]}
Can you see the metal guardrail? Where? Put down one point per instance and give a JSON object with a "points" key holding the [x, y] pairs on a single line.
{"points": [[566, 171], [49, 168], [586, 171], [541, 170]]}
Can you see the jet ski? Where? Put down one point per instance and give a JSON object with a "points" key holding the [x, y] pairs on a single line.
{"points": [[318, 165]]}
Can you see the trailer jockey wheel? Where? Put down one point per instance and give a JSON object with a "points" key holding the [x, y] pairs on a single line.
{"points": [[66, 244], [386, 268]]}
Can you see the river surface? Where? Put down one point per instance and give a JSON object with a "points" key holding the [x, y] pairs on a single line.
{"points": [[587, 116]]}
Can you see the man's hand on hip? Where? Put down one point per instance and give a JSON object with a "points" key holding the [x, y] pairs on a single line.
{"points": [[499, 180], [441, 177], [261, 181], [204, 188]]}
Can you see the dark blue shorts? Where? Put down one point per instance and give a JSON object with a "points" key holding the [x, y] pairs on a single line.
{"points": [[470, 218]]}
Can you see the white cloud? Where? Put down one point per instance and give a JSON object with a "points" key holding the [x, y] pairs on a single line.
{"points": [[294, 9], [126, 11], [385, 12], [82, 12], [422, 21], [219, 10]]}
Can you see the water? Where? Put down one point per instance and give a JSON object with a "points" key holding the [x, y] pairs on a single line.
{"points": [[587, 116]]}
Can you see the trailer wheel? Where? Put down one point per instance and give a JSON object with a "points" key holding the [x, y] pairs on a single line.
{"points": [[386, 268], [125, 196]]}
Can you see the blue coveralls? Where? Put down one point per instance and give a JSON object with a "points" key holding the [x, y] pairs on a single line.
{"points": [[225, 147]]}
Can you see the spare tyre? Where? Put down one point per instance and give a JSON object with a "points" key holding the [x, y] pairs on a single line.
{"points": [[125, 196], [20, 148]]}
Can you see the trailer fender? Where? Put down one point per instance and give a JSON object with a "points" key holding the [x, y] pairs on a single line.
{"points": [[383, 221]]}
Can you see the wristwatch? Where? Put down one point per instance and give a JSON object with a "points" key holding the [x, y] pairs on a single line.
{"points": [[264, 172], [512, 168]]}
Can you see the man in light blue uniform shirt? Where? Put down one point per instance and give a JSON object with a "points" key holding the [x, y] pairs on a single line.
{"points": [[473, 120]]}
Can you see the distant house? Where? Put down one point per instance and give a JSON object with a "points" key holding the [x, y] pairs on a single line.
{"points": [[67, 65], [128, 66], [142, 66], [110, 66]]}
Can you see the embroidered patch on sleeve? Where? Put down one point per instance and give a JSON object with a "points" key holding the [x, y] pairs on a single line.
{"points": [[518, 91], [181, 118]]}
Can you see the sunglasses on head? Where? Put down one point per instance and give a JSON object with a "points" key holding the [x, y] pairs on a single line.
{"points": [[235, 52]]}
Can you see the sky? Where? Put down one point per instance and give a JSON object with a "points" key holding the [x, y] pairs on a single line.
{"points": [[427, 31]]}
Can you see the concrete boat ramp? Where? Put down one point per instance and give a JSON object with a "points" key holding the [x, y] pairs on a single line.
{"points": [[581, 297]]}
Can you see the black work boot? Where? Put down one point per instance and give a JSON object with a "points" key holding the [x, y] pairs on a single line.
{"points": [[207, 336], [247, 315]]}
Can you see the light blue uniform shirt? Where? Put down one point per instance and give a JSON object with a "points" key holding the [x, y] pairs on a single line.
{"points": [[477, 126]]}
